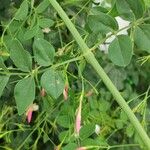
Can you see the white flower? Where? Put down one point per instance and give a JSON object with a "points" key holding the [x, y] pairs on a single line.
{"points": [[97, 129], [35, 107], [46, 30]]}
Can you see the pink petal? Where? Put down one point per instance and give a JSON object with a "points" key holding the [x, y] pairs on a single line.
{"points": [[89, 93], [78, 120], [43, 92], [29, 115], [81, 148], [65, 92]]}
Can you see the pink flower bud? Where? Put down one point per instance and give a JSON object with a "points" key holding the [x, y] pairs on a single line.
{"points": [[65, 92], [43, 92], [29, 115], [29, 112], [81, 148], [89, 93], [57, 148], [78, 120]]}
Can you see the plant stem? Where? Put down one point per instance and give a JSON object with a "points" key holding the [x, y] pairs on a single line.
{"points": [[92, 60]]}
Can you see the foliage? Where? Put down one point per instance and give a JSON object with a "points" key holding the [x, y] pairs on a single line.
{"points": [[40, 62]]}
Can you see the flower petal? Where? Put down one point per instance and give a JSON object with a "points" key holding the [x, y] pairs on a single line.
{"points": [[29, 115]]}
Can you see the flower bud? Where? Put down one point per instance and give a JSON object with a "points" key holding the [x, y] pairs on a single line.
{"points": [[78, 120], [81, 148], [29, 112], [43, 92], [46, 30], [97, 129], [29, 115], [65, 92]]}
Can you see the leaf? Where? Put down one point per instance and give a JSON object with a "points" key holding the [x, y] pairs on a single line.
{"points": [[98, 9], [24, 93], [104, 106], [123, 116], [39, 34], [53, 83], [21, 58], [147, 3], [117, 76], [113, 12], [8, 42], [130, 130], [30, 33], [142, 37], [14, 26], [45, 22], [130, 9], [3, 82], [119, 124], [102, 23], [86, 131], [94, 38], [2, 65], [70, 146], [101, 140], [64, 121], [42, 6], [89, 141], [22, 12], [64, 136], [43, 52], [45, 138], [120, 50]]}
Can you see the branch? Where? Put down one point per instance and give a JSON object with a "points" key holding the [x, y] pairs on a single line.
{"points": [[89, 56]]}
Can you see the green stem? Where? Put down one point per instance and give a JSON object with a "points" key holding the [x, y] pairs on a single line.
{"points": [[92, 60]]}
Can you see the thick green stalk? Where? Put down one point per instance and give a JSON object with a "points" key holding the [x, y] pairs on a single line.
{"points": [[92, 60]]}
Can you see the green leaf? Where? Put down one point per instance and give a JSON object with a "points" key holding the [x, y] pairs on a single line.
{"points": [[40, 34], [102, 140], [119, 124], [104, 106], [123, 117], [64, 121], [14, 26], [130, 130], [89, 141], [130, 9], [45, 22], [120, 50], [53, 83], [70, 146], [98, 9], [21, 58], [2, 65], [142, 37], [42, 6], [43, 52], [117, 76], [22, 12], [30, 33], [24, 93], [147, 3], [94, 38], [102, 23], [86, 131], [45, 138], [113, 12], [3, 82], [64, 136], [8, 42]]}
